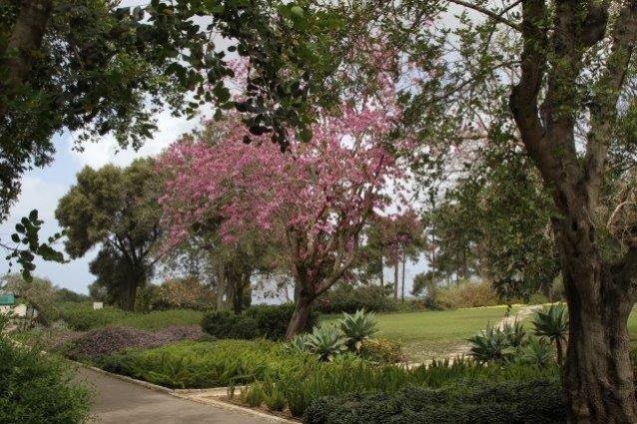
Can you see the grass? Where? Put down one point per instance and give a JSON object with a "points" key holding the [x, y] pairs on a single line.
{"points": [[434, 334], [162, 319], [82, 317]]}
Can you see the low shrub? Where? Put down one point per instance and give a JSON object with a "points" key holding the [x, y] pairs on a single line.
{"points": [[382, 350], [82, 317], [208, 364], [187, 292], [536, 401], [272, 320], [97, 344], [347, 298], [38, 389], [299, 386], [467, 295], [226, 325], [156, 320]]}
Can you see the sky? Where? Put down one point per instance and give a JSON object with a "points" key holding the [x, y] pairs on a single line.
{"points": [[42, 189]]}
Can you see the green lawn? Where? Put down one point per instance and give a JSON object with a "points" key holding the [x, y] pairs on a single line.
{"points": [[162, 319], [431, 334], [81, 316]]}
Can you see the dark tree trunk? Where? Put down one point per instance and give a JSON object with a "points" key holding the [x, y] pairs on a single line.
{"points": [[299, 320], [129, 292], [127, 297], [382, 273], [598, 376], [396, 280], [238, 295], [402, 286], [598, 373]]}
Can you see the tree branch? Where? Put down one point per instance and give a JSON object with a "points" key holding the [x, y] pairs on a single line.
{"points": [[604, 105], [491, 14], [524, 96], [23, 45], [624, 273]]}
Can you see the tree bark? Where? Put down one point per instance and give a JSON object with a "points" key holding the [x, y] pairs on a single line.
{"points": [[598, 375], [300, 317], [396, 280], [127, 297], [402, 286]]}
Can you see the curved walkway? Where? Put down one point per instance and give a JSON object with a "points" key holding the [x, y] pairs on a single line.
{"points": [[118, 401]]}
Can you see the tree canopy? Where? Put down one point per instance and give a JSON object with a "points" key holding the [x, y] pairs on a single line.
{"points": [[116, 209]]}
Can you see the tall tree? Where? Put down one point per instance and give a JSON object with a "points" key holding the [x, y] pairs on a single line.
{"points": [[569, 75], [318, 196], [117, 209]]}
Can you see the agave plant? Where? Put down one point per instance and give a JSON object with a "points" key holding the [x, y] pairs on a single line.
{"points": [[358, 327], [326, 342], [299, 343], [515, 333], [552, 323], [491, 345], [537, 352]]}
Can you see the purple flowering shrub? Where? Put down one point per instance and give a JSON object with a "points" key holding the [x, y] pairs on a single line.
{"points": [[96, 344]]}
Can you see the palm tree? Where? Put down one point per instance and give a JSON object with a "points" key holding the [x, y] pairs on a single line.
{"points": [[552, 323]]}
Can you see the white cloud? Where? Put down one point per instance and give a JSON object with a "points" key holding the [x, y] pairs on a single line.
{"points": [[37, 193], [107, 149]]}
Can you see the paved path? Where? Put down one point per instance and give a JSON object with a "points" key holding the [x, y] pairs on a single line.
{"points": [[118, 401]]}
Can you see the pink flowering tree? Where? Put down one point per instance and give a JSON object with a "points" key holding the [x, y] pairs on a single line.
{"points": [[315, 198]]}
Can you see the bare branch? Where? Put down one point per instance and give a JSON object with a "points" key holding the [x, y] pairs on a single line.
{"points": [[524, 96], [490, 13], [604, 107]]}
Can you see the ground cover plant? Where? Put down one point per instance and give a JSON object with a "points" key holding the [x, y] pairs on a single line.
{"points": [[82, 317], [299, 387], [94, 345], [208, 364], [528, 402]]}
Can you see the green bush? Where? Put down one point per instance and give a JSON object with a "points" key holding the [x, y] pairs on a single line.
{"points": [[347, 298], [38, 389], [186, 292], [536, 401], [208, 364], [467, 295], [226, 325], [82, 317], [273, 320], [299, 386], [382, 350]]}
